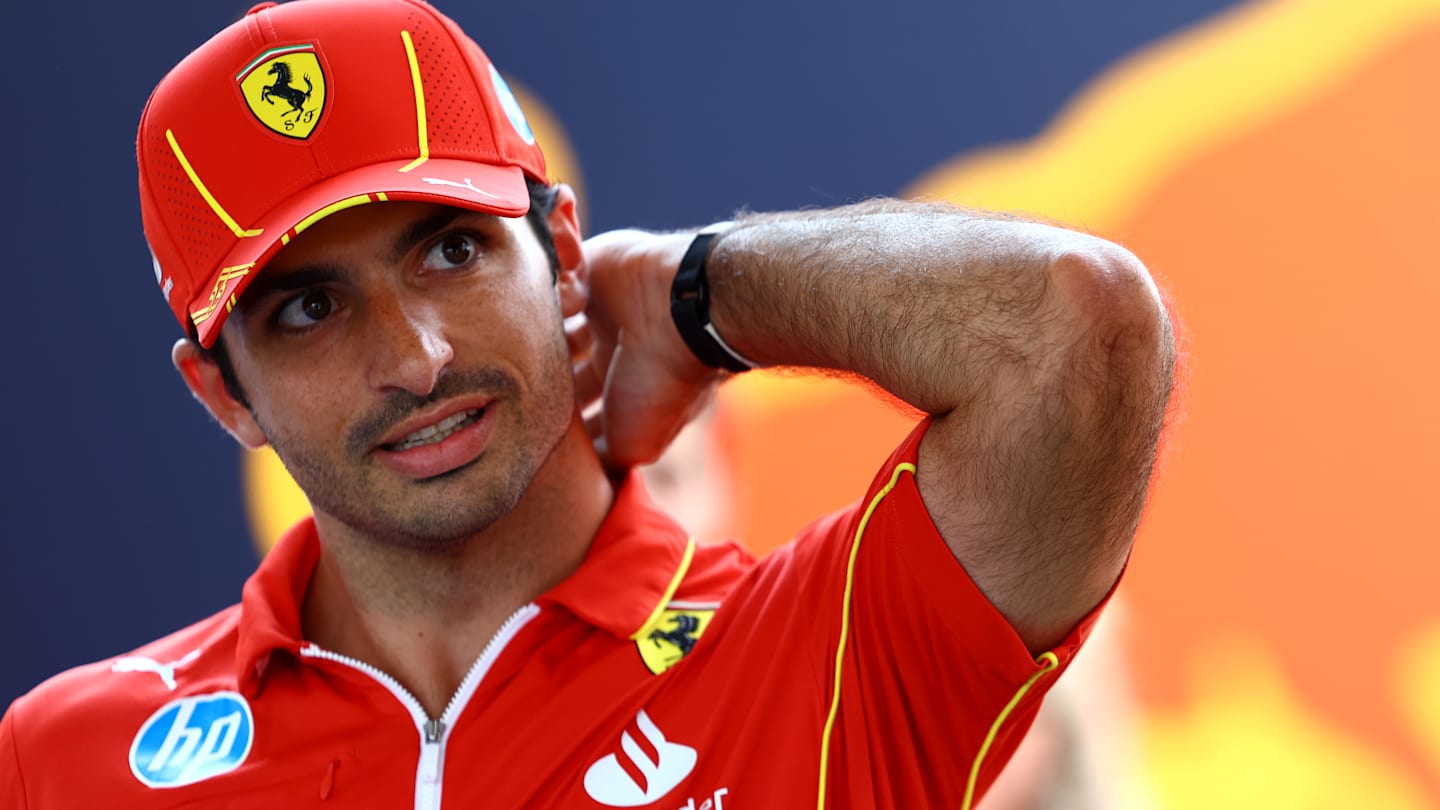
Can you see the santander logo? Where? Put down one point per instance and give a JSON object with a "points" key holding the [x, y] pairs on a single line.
{"points": [[643, 771]]}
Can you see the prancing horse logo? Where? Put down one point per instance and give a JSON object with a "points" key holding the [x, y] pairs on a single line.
{"points": [[674, 633], [282, 89], [681, 634], [269, 85]]}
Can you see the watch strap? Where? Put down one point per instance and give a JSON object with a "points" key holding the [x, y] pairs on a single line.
{"points": [[690, 306]]}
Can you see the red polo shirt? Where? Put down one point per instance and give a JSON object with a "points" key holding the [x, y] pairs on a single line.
{"points": [[857, 667]]}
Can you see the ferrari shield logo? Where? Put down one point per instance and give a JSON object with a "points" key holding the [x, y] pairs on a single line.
{"points": [[285, 89], [673, 638]]}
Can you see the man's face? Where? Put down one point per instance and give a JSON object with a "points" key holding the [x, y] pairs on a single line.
{"points": [[408, 364]]}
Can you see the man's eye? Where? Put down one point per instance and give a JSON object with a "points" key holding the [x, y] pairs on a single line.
{"points": [[305, 310], [454, 250]]}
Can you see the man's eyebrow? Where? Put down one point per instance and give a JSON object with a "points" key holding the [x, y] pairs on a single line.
{"points": [[317, 274], [298, 279], [425, 227]]}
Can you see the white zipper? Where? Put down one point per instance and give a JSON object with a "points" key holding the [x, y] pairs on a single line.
{"points": [[431, 767]]}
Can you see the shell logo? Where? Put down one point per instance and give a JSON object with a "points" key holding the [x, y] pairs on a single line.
{"points": [[1275, 167]]}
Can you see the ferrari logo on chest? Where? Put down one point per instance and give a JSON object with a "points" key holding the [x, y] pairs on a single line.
{"points": [[673, 638], [285, 89]]}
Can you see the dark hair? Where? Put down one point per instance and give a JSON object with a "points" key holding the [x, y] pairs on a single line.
{"points": [[542, 202]]}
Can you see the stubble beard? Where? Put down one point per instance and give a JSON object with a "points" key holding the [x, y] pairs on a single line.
{"points": [[437, 516]]}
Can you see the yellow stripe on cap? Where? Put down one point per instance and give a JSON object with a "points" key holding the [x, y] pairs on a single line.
{"points": [[203, 314], [228, 274], [222, 283], [348, 202], [419, 102], [205, 192]]}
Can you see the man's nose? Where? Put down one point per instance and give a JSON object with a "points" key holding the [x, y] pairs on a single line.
{"points": [[408, 344]]}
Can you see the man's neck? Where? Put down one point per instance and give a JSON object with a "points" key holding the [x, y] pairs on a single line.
{"points": [[424, 618]]}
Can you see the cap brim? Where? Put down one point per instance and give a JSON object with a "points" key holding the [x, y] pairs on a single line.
{"points": [[498, 190]]}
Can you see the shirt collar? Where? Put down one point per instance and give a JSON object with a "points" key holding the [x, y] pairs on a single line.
{"points": [[270, 603], [633, 567]]}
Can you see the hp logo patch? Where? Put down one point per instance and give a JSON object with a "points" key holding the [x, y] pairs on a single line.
{"points": [[193, 739]]}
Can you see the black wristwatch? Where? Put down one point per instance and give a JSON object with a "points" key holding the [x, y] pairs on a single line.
{"points": [[690, 306]]}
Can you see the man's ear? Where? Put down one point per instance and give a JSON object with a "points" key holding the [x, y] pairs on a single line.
{"points": [[204, 380], [564, 223]]}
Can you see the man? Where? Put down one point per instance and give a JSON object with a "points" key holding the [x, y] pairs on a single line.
{"points": [[350, 218]]}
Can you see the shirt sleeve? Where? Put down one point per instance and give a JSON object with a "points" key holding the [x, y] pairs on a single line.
{"points": [[12, 784], [932, 688]]}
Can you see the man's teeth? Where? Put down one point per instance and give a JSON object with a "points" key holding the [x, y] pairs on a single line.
{"points": [[439, 430]]}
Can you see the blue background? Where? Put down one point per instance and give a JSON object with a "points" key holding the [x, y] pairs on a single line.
{"points": [[122, 511]]}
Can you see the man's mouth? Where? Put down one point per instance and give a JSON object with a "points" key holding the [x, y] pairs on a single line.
{"points": [[436, 432]]}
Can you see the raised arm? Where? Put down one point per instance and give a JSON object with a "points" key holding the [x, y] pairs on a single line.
{"points": [[1044, 355]]}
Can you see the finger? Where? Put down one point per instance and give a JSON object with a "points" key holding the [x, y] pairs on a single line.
{"points": [[610, 247], [638, 425], [589, 382], [594, 424], [641, 434], [602, 448], [579, 337]]}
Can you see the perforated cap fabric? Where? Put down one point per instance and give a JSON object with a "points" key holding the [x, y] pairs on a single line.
{"points": [[307, 108]]}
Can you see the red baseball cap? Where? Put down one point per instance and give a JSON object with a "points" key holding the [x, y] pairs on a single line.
{"points": [[304, 109]]}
